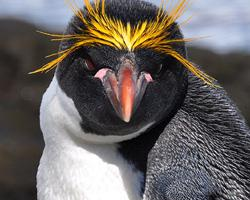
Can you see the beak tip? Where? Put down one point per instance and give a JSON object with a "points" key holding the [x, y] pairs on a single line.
{"points": [[126, 119]]}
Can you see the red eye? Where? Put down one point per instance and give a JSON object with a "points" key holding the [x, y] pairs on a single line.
{"points": [[89, 64]]}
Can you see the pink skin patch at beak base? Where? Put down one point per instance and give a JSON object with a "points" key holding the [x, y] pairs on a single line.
{"points": [[101, 73], [148, 77]]}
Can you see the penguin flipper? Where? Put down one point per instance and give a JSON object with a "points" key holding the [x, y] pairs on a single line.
{"points": [[179, 184], [176, 168]]}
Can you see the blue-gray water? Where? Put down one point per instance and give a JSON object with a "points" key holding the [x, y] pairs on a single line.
{"points": [[226, 22]]}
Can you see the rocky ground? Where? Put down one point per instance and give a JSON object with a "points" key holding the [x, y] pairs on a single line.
{"points": [[21, 51]]}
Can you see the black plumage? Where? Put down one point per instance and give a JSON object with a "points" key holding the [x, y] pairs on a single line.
{"points": [[203, 152]]}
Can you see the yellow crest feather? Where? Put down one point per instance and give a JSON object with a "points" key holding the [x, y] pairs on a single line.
{"points": [[104, 30]]}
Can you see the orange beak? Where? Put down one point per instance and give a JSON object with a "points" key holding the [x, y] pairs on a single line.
{"points": [[125, 90], [127, 87]]}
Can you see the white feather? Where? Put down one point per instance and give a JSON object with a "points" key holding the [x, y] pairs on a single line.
{"points": [[71, 168]]}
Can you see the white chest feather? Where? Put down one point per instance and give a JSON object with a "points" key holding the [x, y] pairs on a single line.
{"points": [[93, 173], [71, 169]]}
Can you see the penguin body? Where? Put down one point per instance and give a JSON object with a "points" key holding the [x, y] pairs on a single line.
{"points": [[137, 124]]}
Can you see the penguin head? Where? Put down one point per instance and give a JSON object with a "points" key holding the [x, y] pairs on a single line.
{"points": [[122, 64]]}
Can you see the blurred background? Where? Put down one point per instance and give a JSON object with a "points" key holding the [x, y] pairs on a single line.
{"points": [[224, 55]]}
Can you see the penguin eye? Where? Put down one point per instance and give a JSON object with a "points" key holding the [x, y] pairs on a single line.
{"points": [[159, 69], [155, 71], [88, 64]]}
